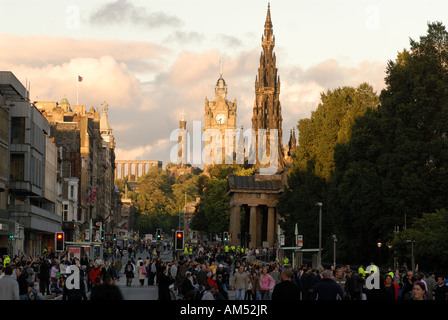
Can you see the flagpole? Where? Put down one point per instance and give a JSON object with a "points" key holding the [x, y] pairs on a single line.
{"points": [[77, 91]]}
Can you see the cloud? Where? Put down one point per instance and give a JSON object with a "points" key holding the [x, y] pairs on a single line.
{"points": [[39, 51], [124, 12]]}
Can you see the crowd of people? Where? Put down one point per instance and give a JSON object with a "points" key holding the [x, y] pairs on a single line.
{"points": [[207, 273]]}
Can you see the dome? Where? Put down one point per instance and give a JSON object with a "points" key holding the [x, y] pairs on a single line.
{"points": [[64, 101]]}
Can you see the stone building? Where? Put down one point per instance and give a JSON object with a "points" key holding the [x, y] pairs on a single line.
{"points": [[33, 177], [87, 148], [253, 199], [220, 115]]}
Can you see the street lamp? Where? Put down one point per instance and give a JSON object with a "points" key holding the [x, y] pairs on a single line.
{"points": [[379, 244], [319, 254], [334, 249], [412, 254]]}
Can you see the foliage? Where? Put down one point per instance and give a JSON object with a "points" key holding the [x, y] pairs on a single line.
{"points": [[331, 124], [395, 163]]}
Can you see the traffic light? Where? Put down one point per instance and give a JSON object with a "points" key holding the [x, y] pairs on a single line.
{"points": [[158, 234], [226, 236], [248, 237], [59, 241], [102, 235], [179, 241]]}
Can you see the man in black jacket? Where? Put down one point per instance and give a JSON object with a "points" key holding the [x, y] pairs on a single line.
{"points": [[327, 288], [287, 288]]}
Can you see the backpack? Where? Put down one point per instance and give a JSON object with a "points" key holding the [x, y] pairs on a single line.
{"points": [[129, 268]]}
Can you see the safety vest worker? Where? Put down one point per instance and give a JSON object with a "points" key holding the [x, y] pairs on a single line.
{"points": [[190, 251], [361, 272], [226, 249], [186, 250], [285, 261], [6, 261]]}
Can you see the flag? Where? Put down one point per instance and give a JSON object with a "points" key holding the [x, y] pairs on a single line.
{"points": [[80, 78], [91, 196]]}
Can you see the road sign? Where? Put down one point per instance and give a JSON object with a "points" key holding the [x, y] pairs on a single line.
{"points": [[282, 240], [300, 240]]}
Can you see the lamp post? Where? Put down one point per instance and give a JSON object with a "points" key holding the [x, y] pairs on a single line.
{"points": [[319, 254], [412, 254], [334, 249], [379, 244]]}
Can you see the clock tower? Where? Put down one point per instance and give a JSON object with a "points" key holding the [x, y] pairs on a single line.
{"points": [[220, 115]]}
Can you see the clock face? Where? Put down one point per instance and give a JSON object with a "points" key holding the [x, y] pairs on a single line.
{"points": [[221, 118]]}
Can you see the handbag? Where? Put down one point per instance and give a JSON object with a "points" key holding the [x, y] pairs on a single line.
{"points": [[143, 270]]}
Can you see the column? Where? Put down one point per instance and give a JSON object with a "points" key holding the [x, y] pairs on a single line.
{"points": [[271, 225], [129, 170], [253, 226], [122, 171], [144, 168], [235, 224]]}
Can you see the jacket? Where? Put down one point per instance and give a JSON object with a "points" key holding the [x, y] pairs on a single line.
{"points": [[9, 288], [240, 281], [327, 289], [266, 282]]}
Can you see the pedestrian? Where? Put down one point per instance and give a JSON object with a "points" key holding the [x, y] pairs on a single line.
{"points": [[430, 285], [164, 282], [267, 284], [44, 277], [129, 273], [23, 284], [419, 290], [77, 292], [118, 267], [141, 273], [440, 291], [95, 272], [327, 288], [276, 274], [240, 282], [391, 288], [408, 284], [9, 288], [187, 288], [287, 288]]}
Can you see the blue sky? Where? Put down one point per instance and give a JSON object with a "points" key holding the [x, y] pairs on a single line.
{"points": [[152, 60]]}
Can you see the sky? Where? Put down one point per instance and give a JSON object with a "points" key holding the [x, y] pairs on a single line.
{"points": [[154, 61]]}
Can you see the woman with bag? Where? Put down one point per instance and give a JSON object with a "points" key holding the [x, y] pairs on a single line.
{"points": [[141, 273]]}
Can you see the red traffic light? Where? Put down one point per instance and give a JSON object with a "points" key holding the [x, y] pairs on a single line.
{"points": [[179, 235], [59, 236]]}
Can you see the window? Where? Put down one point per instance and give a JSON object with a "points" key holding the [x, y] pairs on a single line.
{"points": [[17, 167], [17, 130], [64, 212], [72, 192]]}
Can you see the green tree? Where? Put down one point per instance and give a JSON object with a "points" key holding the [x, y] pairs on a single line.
{"points": [[395, 163], [331, 124], [214, 211], [430, 233]]}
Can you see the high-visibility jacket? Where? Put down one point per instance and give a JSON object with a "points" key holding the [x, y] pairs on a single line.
{"points": [[362, 272], [186, 250], [226, 249], [6, 261], [285, 261], [190, 251]]}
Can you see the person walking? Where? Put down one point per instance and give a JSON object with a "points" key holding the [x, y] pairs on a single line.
{"points": [[129, 273], [9, 288], [23, 284], [240, 282], [164, 282], [141, 273], [287, 289], [327, 288], [267, 284], [44, 277]]}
